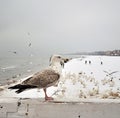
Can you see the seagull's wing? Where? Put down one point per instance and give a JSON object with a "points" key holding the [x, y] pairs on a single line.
{"points": [[105, 72], [43, 79], [113, 72]]}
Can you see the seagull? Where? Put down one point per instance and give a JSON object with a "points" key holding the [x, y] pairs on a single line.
{"points": [[111, 72], [45, 78], [29, 44], [15, 52]]}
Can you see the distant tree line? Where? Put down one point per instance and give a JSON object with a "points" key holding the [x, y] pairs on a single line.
{"points": [[107, 53]]}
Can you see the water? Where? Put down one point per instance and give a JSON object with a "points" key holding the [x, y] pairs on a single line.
{"points": [[16, 68]]}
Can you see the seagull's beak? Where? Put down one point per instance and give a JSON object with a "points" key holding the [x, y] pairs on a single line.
{"points": [[66, 60]]}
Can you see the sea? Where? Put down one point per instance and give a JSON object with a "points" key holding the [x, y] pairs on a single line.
{"points": [[14, 68], [17, 68]]}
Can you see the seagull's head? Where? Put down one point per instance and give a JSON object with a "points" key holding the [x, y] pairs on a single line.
{"points": [[58, 59]]}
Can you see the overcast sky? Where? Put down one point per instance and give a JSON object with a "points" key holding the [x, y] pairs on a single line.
{"points": [[59, 26]]}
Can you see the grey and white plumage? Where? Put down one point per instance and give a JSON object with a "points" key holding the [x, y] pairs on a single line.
{"points": [[44, 79]]}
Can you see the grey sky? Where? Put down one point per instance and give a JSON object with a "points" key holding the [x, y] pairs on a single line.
{"points": [[59, 26]]}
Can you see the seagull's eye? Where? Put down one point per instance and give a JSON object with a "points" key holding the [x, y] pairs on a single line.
{"points": [[59, 57]]}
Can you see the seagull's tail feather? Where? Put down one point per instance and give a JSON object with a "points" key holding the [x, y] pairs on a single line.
{"points": [[21, 87]]}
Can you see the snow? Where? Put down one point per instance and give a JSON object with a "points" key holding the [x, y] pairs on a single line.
{"points": [[87, 77]]}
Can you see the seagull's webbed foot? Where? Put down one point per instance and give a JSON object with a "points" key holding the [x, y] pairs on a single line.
{"points": [[48, 98]]}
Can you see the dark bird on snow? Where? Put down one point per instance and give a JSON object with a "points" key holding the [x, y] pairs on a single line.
{"points": [[45, 78]]}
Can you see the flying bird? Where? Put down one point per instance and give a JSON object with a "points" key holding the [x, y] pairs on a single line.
{"points": [[15, 52], [29, 44], [45, 78], [110, 72]]}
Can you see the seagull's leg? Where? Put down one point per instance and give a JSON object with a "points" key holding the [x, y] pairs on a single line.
{"points": [[46, 96]]}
